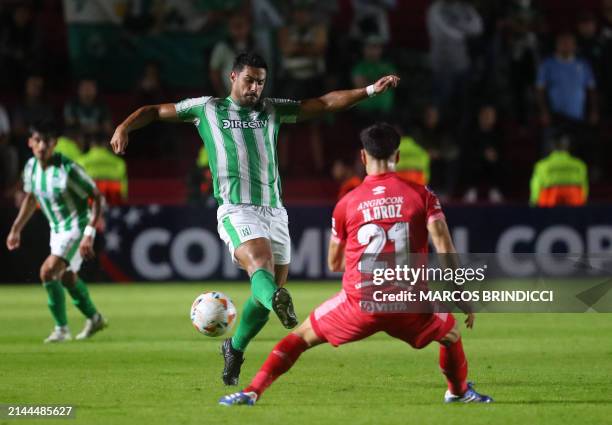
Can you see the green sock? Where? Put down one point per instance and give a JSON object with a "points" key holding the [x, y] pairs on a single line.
{"points": [[254, 317], [263, 287], [81, 299], [56, 299]]}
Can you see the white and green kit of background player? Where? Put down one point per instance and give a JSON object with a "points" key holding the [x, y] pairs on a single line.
{"points": [[63, 190], [241, 145]]}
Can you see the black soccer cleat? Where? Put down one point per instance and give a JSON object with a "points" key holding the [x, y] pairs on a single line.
{"points": [[233, 361], [283, 307]]}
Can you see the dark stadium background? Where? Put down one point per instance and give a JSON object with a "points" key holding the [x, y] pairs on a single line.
{"points": [[119, 44]]}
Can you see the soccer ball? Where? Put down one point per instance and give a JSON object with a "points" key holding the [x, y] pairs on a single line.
{"points": [[213, 313]]}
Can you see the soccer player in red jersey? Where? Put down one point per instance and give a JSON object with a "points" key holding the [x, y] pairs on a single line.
{"points": [[384, 213]]}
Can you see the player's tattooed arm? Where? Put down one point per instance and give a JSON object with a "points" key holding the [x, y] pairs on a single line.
{"points": [[141, 117], [443, 243], [28, 206], [340, 100], [335, 256]]}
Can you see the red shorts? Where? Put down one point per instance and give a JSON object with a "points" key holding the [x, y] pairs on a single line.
{"points": [[340, 320]]}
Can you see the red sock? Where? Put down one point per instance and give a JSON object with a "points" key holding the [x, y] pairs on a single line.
{"points": [[454, 366], [280, 360]]}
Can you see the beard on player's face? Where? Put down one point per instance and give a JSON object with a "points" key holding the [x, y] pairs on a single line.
{"points": [[248, 84], [249, 98]]}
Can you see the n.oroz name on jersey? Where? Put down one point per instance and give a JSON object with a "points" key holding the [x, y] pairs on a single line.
{"points": [[381, 208], [382, 212], [244, 124]]}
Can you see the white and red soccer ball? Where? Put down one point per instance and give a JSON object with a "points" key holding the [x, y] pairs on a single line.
{"points": [[213, 313]]}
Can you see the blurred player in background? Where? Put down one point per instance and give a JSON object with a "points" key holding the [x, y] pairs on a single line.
{"points": [[560, 178], [413, 165], [347, 176], [63, 191], [108, 171], [240, 134], [341, 319]]}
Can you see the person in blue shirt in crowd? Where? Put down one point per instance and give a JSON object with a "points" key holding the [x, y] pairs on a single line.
{"points": [[567, 95]]}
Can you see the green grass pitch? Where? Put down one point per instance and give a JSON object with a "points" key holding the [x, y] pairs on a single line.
{"points": [[150, 366]]}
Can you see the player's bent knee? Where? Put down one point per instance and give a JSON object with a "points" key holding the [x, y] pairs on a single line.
{"points": [[52, 269], [307, 333], [261, 261], [254, 256], [47, 273], [69, 279], [256, 262], [452, 336]]}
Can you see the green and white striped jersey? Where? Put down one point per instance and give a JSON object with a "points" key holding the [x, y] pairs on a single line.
{"points": [[62, 190], [241, 144]]}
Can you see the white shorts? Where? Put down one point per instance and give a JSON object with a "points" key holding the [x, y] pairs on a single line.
{"points": [[239, 223], [66, 245]]}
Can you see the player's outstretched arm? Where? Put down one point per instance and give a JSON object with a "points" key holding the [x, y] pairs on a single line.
{"points": [[443, 243], [28, 206], [141, 117], [339, 100], [86, 246]]}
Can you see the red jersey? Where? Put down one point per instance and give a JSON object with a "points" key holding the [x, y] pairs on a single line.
{"points": [[384, 215]]}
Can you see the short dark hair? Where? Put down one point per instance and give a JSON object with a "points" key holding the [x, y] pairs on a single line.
{"points": [[249, 59], [561, 141], [45, 127], [380, 140]]}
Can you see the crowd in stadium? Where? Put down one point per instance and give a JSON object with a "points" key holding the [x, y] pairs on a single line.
{"points": [[488, 88]]}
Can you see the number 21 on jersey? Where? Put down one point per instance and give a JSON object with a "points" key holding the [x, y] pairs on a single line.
{"points": [[376, 238]]}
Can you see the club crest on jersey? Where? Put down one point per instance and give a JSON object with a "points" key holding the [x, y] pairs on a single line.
{"points": [[379, 190], [244, 124], [244, 231]]}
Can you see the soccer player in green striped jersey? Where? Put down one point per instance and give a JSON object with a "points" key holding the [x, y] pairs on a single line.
{"points": [[240, 134], [63, 191]]}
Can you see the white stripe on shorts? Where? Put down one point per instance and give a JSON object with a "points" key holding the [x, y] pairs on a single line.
{"points": [[329, 305]]}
